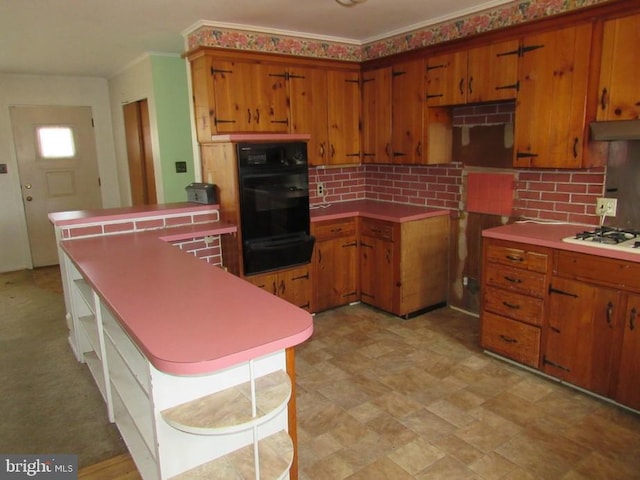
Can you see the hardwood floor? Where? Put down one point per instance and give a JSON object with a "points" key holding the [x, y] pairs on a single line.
{"points": [[117, 468]]}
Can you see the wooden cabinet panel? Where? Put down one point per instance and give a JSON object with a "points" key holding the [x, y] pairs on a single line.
{"points": [[407, 112], [515, 279], [292, 285], [551, 103], [619, 96], [446, 79], [309, 100], [493, 72], [513, 305], [376, 272], [510, 338], [627, 387], [580, 331], [376, 115], [517, 257], [343, 117]]}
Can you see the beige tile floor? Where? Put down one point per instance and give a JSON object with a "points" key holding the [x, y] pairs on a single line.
{"points": [[384, 398]]}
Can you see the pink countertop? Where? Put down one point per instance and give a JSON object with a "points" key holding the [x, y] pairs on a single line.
{"points": [[261, 137], [551, 235], [186, 316], [123, 213], [393, 212]]}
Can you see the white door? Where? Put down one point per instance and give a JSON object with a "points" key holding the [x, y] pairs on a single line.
{"points": [[58, 167]]}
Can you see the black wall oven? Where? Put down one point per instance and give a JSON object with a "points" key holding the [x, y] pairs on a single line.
{"points": [[274, 205]]}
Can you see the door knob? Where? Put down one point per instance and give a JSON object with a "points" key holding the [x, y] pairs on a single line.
{"points": [[29, 198]]}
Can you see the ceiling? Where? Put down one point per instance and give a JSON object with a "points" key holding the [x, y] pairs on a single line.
{"points": [[99, 38]]}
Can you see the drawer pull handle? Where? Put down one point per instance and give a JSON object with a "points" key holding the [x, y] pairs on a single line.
{"points": [[336, 230], [632, 319], [512, 280], [610, 314], [511, 305], [515, 258], [508, 339]]}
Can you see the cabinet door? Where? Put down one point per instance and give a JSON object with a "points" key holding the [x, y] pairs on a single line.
{"points": [[376, 118], [580, 333], [308, 93], [627, 388], [267, 281], [620, 70], [447, 79], [376, 272], [270, 111], [344, 117], [336, 270], [407, 112], [294, 286], [551, 103], [493, 72], [233, 108]]}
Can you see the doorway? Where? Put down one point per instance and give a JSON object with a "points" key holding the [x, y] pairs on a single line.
{"points": [[58, 169], [139, 153]]}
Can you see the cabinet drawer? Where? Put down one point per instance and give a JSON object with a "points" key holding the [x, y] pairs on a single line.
{"points": [[377, 228], [515, 279], [599, 270], [331, 229], [516, 257], [513, 339], [514, 305]]}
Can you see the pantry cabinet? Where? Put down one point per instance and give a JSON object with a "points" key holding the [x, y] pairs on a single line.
{"points": [[403, 265], [619, 96], [335, 267], [550, 116], [292, 284], [486, 73]]}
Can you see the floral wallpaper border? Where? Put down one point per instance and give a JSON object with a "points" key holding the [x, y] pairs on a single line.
{"points": [[503, 16]]}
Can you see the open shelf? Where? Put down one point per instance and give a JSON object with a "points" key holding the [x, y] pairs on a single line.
{"points": [[275, 454], [231, 410]]}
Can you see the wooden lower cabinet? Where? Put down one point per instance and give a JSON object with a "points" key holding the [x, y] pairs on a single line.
{"points": [[292, 284], [572, 316], [515, 277], [403, 265], [334, 263]]}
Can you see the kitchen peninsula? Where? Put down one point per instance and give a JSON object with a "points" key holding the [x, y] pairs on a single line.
{"points": [[195, 365]]}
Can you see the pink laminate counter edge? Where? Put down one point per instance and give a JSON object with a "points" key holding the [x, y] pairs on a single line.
{"points": [[392, 212], [186, 316], [78, 217], [551, 235]]}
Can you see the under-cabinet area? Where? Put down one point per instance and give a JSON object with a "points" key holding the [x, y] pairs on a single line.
{"points": [[569, 314]]}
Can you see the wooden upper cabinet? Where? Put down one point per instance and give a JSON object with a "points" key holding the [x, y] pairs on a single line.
{"points": [[376, 115], [550, 107], [486, 73], [619, 95], [492, 72], [407, 112], [249, 97], [309, 100], [343, 90], [446, 79]]}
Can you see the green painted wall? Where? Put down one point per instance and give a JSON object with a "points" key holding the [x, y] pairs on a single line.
{"points": [[171, 96]]}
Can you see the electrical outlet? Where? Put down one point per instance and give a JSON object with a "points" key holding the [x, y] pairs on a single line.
{"points": [[606, 207], [320, 189]]}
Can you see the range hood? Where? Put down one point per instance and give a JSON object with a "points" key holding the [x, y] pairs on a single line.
{"points": [[615, 130]]}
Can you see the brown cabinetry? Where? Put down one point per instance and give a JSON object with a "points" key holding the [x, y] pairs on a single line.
{"points": [[619, 96], [397, 126], [292, 285], [515, 281], [486, 73], [626, 388], [403, 266], [335, 267], [551, 103]]}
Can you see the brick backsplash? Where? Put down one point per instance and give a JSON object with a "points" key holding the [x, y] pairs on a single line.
{"points": [[204, 248], [547, 195]]}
